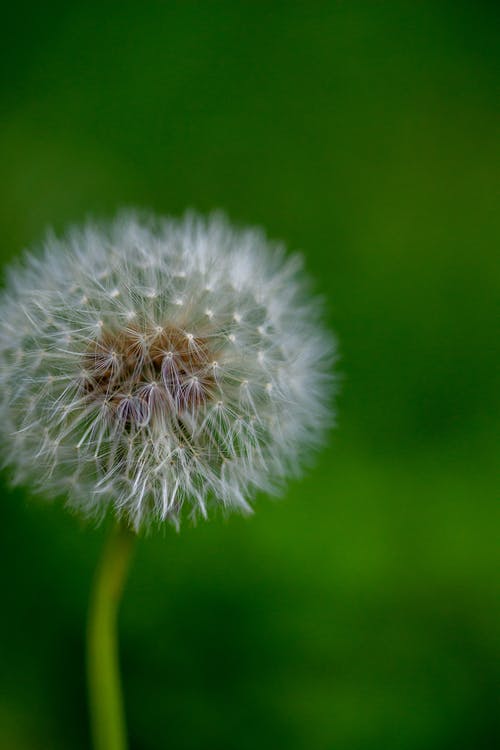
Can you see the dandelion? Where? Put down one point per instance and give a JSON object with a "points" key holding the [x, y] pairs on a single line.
{"points": [[150, 367]]}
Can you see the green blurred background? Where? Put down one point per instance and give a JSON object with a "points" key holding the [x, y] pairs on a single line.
{"points": [[361, 612]]}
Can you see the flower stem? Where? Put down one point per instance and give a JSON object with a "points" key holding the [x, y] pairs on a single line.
{"points": [[103, 673]]}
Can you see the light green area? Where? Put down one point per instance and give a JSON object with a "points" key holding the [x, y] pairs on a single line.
{"points": [[105, 696], [361, 611]]}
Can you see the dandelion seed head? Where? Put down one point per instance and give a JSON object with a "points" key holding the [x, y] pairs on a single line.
{"points": [[148, 365]]}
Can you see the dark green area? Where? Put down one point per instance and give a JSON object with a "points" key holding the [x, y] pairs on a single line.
{"points": [[361, 612]]}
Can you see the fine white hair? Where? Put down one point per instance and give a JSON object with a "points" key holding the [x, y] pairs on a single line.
{"points": [[149, 364]]}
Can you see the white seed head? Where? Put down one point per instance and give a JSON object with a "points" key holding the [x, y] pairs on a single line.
{"points": [[149, 364]]}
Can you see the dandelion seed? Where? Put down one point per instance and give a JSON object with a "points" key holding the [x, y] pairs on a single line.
{"points": [[120, 387]]}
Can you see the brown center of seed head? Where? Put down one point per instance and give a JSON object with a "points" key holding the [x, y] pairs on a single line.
{"points": [[138, 372]]}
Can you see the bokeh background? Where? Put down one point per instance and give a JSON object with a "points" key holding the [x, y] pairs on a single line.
{"points": [[361, 612]]}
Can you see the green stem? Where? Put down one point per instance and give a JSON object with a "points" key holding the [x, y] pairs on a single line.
{"points": [[103, 673]]}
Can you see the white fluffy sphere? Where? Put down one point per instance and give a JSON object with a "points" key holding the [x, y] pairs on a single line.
{"points": [[149, 364]]}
